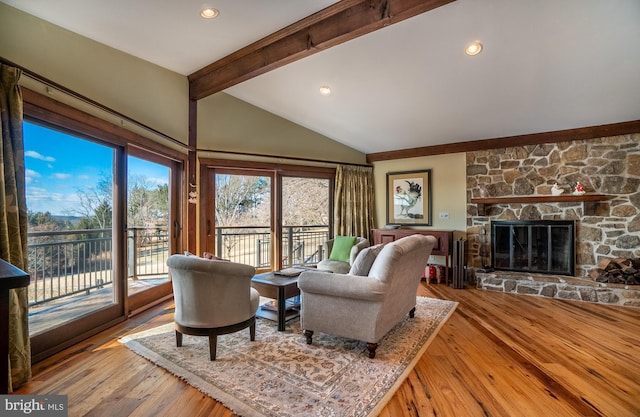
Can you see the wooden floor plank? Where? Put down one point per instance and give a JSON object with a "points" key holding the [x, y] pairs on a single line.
{"points": [[499, 355]]}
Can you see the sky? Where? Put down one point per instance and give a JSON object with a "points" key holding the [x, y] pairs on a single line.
{"points": [[59, 166]]}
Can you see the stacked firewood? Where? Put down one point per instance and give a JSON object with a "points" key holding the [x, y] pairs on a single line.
{"points": [[618, 271]]}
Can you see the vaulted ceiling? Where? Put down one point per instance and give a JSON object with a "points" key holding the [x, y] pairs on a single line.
{"points": [[546, 65]]}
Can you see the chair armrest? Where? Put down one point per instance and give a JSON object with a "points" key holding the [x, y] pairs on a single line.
{"points": [[342, 285], [326, 249]]}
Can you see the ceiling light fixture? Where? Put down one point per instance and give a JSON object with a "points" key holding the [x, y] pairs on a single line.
{"points": [[325, 90], [209, 13], [474, 48]]}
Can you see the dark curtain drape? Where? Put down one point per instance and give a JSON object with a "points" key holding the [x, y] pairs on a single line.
{"points": [[354, 201], [13, 221]]}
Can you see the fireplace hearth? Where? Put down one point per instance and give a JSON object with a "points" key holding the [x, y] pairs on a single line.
{"points": [[537, 246]]}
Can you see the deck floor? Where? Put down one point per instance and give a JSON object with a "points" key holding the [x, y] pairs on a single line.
{"points": [[53, 313]]}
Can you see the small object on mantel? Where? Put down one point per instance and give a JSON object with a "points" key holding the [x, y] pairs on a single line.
{"points": [[579, 189], [555, 190]]}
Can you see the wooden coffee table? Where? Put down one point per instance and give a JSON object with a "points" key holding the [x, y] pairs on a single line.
{"points": [[280, 288]]}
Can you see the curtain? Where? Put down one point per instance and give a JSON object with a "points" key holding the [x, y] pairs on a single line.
{"points": [[13, 221], [354, 201]]}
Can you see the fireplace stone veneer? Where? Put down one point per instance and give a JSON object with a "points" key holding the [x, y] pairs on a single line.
{"points": [[609, 228], [559, 287]]}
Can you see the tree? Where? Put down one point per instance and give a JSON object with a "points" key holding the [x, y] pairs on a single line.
{"points": [[239, 199], [147, 204], [95, 205], [305, 201]]}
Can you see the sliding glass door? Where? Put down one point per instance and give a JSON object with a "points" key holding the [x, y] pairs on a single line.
{"points": [[73, 235], [305, 212], [243, 220], [270, 218], [151, 235]]}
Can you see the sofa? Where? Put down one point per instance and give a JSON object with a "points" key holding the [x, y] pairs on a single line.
{"points": [[376, 294]]}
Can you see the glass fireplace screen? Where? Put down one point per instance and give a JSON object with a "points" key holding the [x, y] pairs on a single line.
{"points": [[538, 246]]}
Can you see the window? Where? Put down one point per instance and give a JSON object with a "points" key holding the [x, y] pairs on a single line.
{"points": [[80, 256], [267, 216]]}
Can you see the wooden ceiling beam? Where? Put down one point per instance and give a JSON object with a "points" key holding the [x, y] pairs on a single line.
{"points": [[336, 24]]}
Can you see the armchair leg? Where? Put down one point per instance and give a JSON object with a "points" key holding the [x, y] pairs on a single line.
{"points": [[178, 339], [372, 349], [412, 313], [252, 332], [213, 344], [309, 335]]}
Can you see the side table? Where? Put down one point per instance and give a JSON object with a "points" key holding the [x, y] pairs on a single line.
{"points": [[279, 288], [10, 277]]}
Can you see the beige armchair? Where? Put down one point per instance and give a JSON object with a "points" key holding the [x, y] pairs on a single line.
{"points": [[340, 266], [365, 307], [212, 297]]}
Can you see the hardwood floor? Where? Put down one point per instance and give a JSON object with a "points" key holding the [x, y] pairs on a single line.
{"points": [[498, 355]]}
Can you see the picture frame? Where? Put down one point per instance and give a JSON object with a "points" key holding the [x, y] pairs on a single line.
{"points": [[409, 198]]}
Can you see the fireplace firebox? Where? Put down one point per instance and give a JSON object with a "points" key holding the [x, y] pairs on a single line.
{"points": [[537, 246]]}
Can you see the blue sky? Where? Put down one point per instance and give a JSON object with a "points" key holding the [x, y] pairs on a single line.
{"points": [[58, 166]]}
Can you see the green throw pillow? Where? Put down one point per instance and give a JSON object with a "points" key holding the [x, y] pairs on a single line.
{"points": [[342, 248]]}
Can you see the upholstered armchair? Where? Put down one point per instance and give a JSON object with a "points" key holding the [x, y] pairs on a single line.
{"points": [[340, 262], [212, 297], [379, 291]]}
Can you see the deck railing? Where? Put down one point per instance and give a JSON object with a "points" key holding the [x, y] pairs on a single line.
{"points": [[301, 245], [63, 263]]}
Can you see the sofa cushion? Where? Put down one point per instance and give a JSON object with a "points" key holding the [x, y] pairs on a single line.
{"points": [[342, 248], [365, 259]]}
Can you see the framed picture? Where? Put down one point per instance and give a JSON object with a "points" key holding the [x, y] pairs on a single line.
{"points": [[409, 198]]}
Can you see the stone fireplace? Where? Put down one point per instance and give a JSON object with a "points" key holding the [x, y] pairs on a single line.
{"points": [[514, 184]]}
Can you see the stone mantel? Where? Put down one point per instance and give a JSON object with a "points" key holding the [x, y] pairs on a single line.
{"points": [[587, 199]]}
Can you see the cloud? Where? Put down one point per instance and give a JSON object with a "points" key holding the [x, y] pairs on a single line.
{"points": [[37, 155], [158, 181], [30, 175], [43, 200], [61, 176]]}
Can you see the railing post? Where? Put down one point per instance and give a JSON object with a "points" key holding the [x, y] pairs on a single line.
{"points": [[258, 252], [133, 253], [290, 245], [219, 242]]}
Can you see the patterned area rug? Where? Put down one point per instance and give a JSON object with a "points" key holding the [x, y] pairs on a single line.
{"points": [[280, 375]]}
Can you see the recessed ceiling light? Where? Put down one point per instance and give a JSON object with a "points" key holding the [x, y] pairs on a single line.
{"points": [[209, 13], [325, 90], [474, 48]]}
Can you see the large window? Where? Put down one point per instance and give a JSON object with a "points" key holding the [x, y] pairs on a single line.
{"points": [[104, 213], [69, 185], [306, 219], [266, 216], [242, 218], [149, 239]]}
